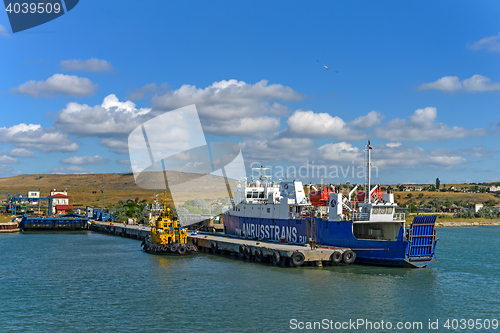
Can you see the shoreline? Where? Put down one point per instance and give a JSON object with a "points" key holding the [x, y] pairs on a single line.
{"points": [[450, 224]]}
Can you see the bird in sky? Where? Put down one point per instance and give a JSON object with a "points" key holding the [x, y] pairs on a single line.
{"points": [[326, 67]]}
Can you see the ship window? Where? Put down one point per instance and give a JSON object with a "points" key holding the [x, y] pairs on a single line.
{"points": [[389, 210], [255, 195], [261, 195], [269, 210], [249, 195], [375, 211]]}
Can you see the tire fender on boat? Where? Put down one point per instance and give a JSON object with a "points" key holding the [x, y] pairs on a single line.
{"points": [[181, 249], [336, 257], [298, 258], [349, 256]]}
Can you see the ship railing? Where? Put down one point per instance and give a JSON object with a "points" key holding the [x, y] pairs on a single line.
{"points": [[361, 216], [399, 217]]}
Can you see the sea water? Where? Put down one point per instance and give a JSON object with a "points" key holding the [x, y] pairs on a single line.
{"points": [[91, 282]]}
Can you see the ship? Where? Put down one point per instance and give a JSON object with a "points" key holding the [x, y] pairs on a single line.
{"points": [[167, 236], [368, 223]]}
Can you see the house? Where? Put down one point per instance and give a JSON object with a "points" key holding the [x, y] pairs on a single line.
{"points": [[60, 202], [494, 188], [452, 209], [476, 207], [34, 194]]}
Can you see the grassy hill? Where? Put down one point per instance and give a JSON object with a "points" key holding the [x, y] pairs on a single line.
{"points": [[117, 186]]}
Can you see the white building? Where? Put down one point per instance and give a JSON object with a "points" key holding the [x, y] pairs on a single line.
{"points": [[34, 194]]}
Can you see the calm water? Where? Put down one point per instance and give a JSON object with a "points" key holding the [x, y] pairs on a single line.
{"points": [[90, 282]]}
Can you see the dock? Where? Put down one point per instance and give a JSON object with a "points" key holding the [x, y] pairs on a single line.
{"points": [[137, 231], [279, 254]]}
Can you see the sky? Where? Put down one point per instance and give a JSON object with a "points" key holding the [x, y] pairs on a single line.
{"points": [[420, 79]]}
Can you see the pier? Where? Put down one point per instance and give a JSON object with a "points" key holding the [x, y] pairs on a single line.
{"points": [[280, 254]]}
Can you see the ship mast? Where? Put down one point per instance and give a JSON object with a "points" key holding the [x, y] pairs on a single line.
{"points": [[367, 172]]}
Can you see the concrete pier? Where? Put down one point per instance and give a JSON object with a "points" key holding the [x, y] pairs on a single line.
{"points": [[291, 255], [276, 253], [138, 231]]}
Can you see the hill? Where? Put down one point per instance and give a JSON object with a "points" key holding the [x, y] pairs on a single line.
{"points": [[116, 186]]}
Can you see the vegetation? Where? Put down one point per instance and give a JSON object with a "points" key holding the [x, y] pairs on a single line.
{"points": [[484, 212], [126, 209]]}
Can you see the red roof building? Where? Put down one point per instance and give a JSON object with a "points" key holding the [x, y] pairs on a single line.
{"points": [[62, 209]]}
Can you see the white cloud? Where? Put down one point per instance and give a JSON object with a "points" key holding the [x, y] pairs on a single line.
{"points": [[243, 126], [91, 65], [275, 149], [480, 83], [85, 160], [311, 124], [8, 160], [373, 118], [57, 84], [35, 136], [385, 157], [146, 89], [21, 152], [4, 169], [491, 44], [3, 31], [124, 161], [116, 146], [226, 105], [393, 144], [109, 119], [446, 83], [476, 83], [71, 169], [422, 126]]}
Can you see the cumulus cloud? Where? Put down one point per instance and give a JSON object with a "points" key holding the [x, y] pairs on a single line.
{"points": [[116, 146], [385, 157], [70, 170], [491, 44], [6, 169], [35, 136], [311, 124], [57, 84], [124, 161], [3, 31], [232, 107], [276, 149], [422, 126], [145, 90], [91, 65], [21, 152], [85, 160], [8, 160], [476, 83], [373, 118], [109, 119]]}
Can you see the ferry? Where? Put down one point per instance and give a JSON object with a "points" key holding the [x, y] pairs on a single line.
{"points": [[367, 222]]}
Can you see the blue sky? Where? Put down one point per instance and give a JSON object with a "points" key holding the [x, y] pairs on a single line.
{"points": [[420, 79]]}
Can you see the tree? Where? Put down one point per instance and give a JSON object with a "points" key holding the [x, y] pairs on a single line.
{"points": [[438, 183]]}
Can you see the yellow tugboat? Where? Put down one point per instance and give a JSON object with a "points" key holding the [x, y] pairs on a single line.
{"points": [[166, 237]]}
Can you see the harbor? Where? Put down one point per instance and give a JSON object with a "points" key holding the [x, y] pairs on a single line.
{"points": [[284, 255]]}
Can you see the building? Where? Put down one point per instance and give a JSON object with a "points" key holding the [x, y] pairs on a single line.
{"points": [[476, 207], [60, 202], [34, 194], [494, 188]]}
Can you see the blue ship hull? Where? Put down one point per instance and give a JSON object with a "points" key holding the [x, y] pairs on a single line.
{"points": [[328, 233]]}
